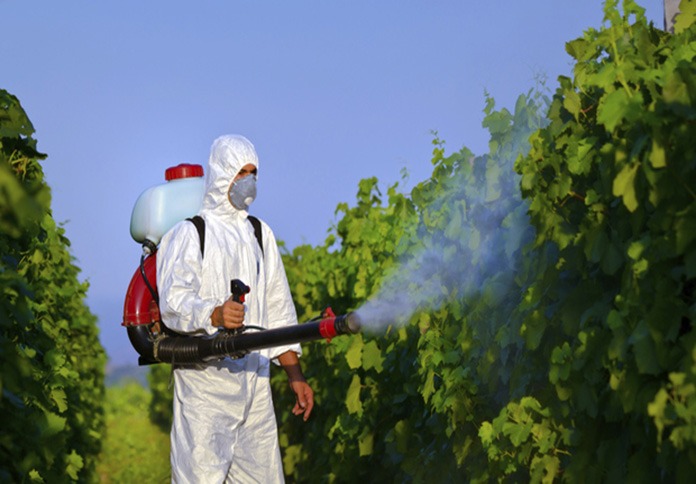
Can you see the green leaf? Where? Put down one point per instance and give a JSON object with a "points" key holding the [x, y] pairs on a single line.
{"points": [[354, 353], [403, 433], [35, 476], [533, 329], [644, 350], [486, 433], [581, 163], [614, 320], [658, 158], [60, 399], [353, 402], [74, 464], [366, 443], [14, 122], [640, 268], [613, 108], [635, 250], [428, 385], [597, 244], [678, 88], [560, 353], [572, 103], [580, 49], [612, 259], [686, 17], [656, 409], [372, 357], [624, 186], [518, 432], [545, 469], [52, 423]]}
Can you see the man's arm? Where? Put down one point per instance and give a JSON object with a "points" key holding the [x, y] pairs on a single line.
{"points": [[303, 392], [179, 281]]}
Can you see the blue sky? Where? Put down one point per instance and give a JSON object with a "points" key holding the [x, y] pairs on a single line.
{"points": [[330, 92]]}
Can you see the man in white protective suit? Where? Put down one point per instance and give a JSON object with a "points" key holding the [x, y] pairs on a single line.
{"points": [[224, 427]]}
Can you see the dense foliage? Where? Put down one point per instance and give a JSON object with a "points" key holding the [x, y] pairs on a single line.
{"points": [[160, 381], [134, 448], [611, 185], [51, 362], [559, 346]]}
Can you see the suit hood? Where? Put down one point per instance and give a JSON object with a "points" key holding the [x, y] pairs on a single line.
{"points": [[228, 154]]}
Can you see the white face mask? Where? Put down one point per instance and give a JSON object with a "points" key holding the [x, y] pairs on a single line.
{"points": [[243, 192]]}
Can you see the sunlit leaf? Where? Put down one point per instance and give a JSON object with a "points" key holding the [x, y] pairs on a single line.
{"points": [[353, 402], [624, 186]]}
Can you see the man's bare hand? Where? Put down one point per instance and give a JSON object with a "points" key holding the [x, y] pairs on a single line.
{"points": [[304, 395], [229, 316], [304, 398]]}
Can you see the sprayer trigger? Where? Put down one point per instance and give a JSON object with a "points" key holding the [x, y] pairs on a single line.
{"points": [[238, 290]]}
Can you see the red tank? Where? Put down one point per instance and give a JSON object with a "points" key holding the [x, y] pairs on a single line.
{"points": [[140, 306]]}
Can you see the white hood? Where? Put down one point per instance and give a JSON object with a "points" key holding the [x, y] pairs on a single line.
{"points": [[228, 154]]}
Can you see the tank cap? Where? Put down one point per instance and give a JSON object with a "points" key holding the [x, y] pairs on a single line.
{"points": [[183, 170]]}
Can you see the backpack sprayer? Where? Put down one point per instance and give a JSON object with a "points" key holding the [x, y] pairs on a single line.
{"points": [[156, 211]]}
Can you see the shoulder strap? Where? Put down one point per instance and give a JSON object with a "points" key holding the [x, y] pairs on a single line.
{"points": [[200, 226], [257, 230]]}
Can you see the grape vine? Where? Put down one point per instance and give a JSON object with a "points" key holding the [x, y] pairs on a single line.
{"points": [[570, 354], [51, 361]]}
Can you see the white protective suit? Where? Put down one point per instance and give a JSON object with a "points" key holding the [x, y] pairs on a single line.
{"points": [[224, 427]]}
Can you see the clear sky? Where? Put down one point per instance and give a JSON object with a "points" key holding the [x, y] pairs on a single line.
{"points": [[329, 91]]}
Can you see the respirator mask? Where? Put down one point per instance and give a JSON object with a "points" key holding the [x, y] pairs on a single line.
{"points": [[242, 192]]}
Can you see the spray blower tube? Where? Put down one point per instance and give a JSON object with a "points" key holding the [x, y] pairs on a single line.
{"points": [[193, 350], [155, 343]]}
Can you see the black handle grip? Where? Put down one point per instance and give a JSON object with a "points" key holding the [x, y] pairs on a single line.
{"points": [[238, 290]]}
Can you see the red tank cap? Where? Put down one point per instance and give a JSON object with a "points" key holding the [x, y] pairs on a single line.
{"points": [[183, 170]]}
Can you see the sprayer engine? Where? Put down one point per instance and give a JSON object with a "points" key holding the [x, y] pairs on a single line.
{"points": [[155, 212]]}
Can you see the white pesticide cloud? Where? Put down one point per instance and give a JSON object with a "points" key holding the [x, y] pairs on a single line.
{"points": [[483, 246], [426, 280]]}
